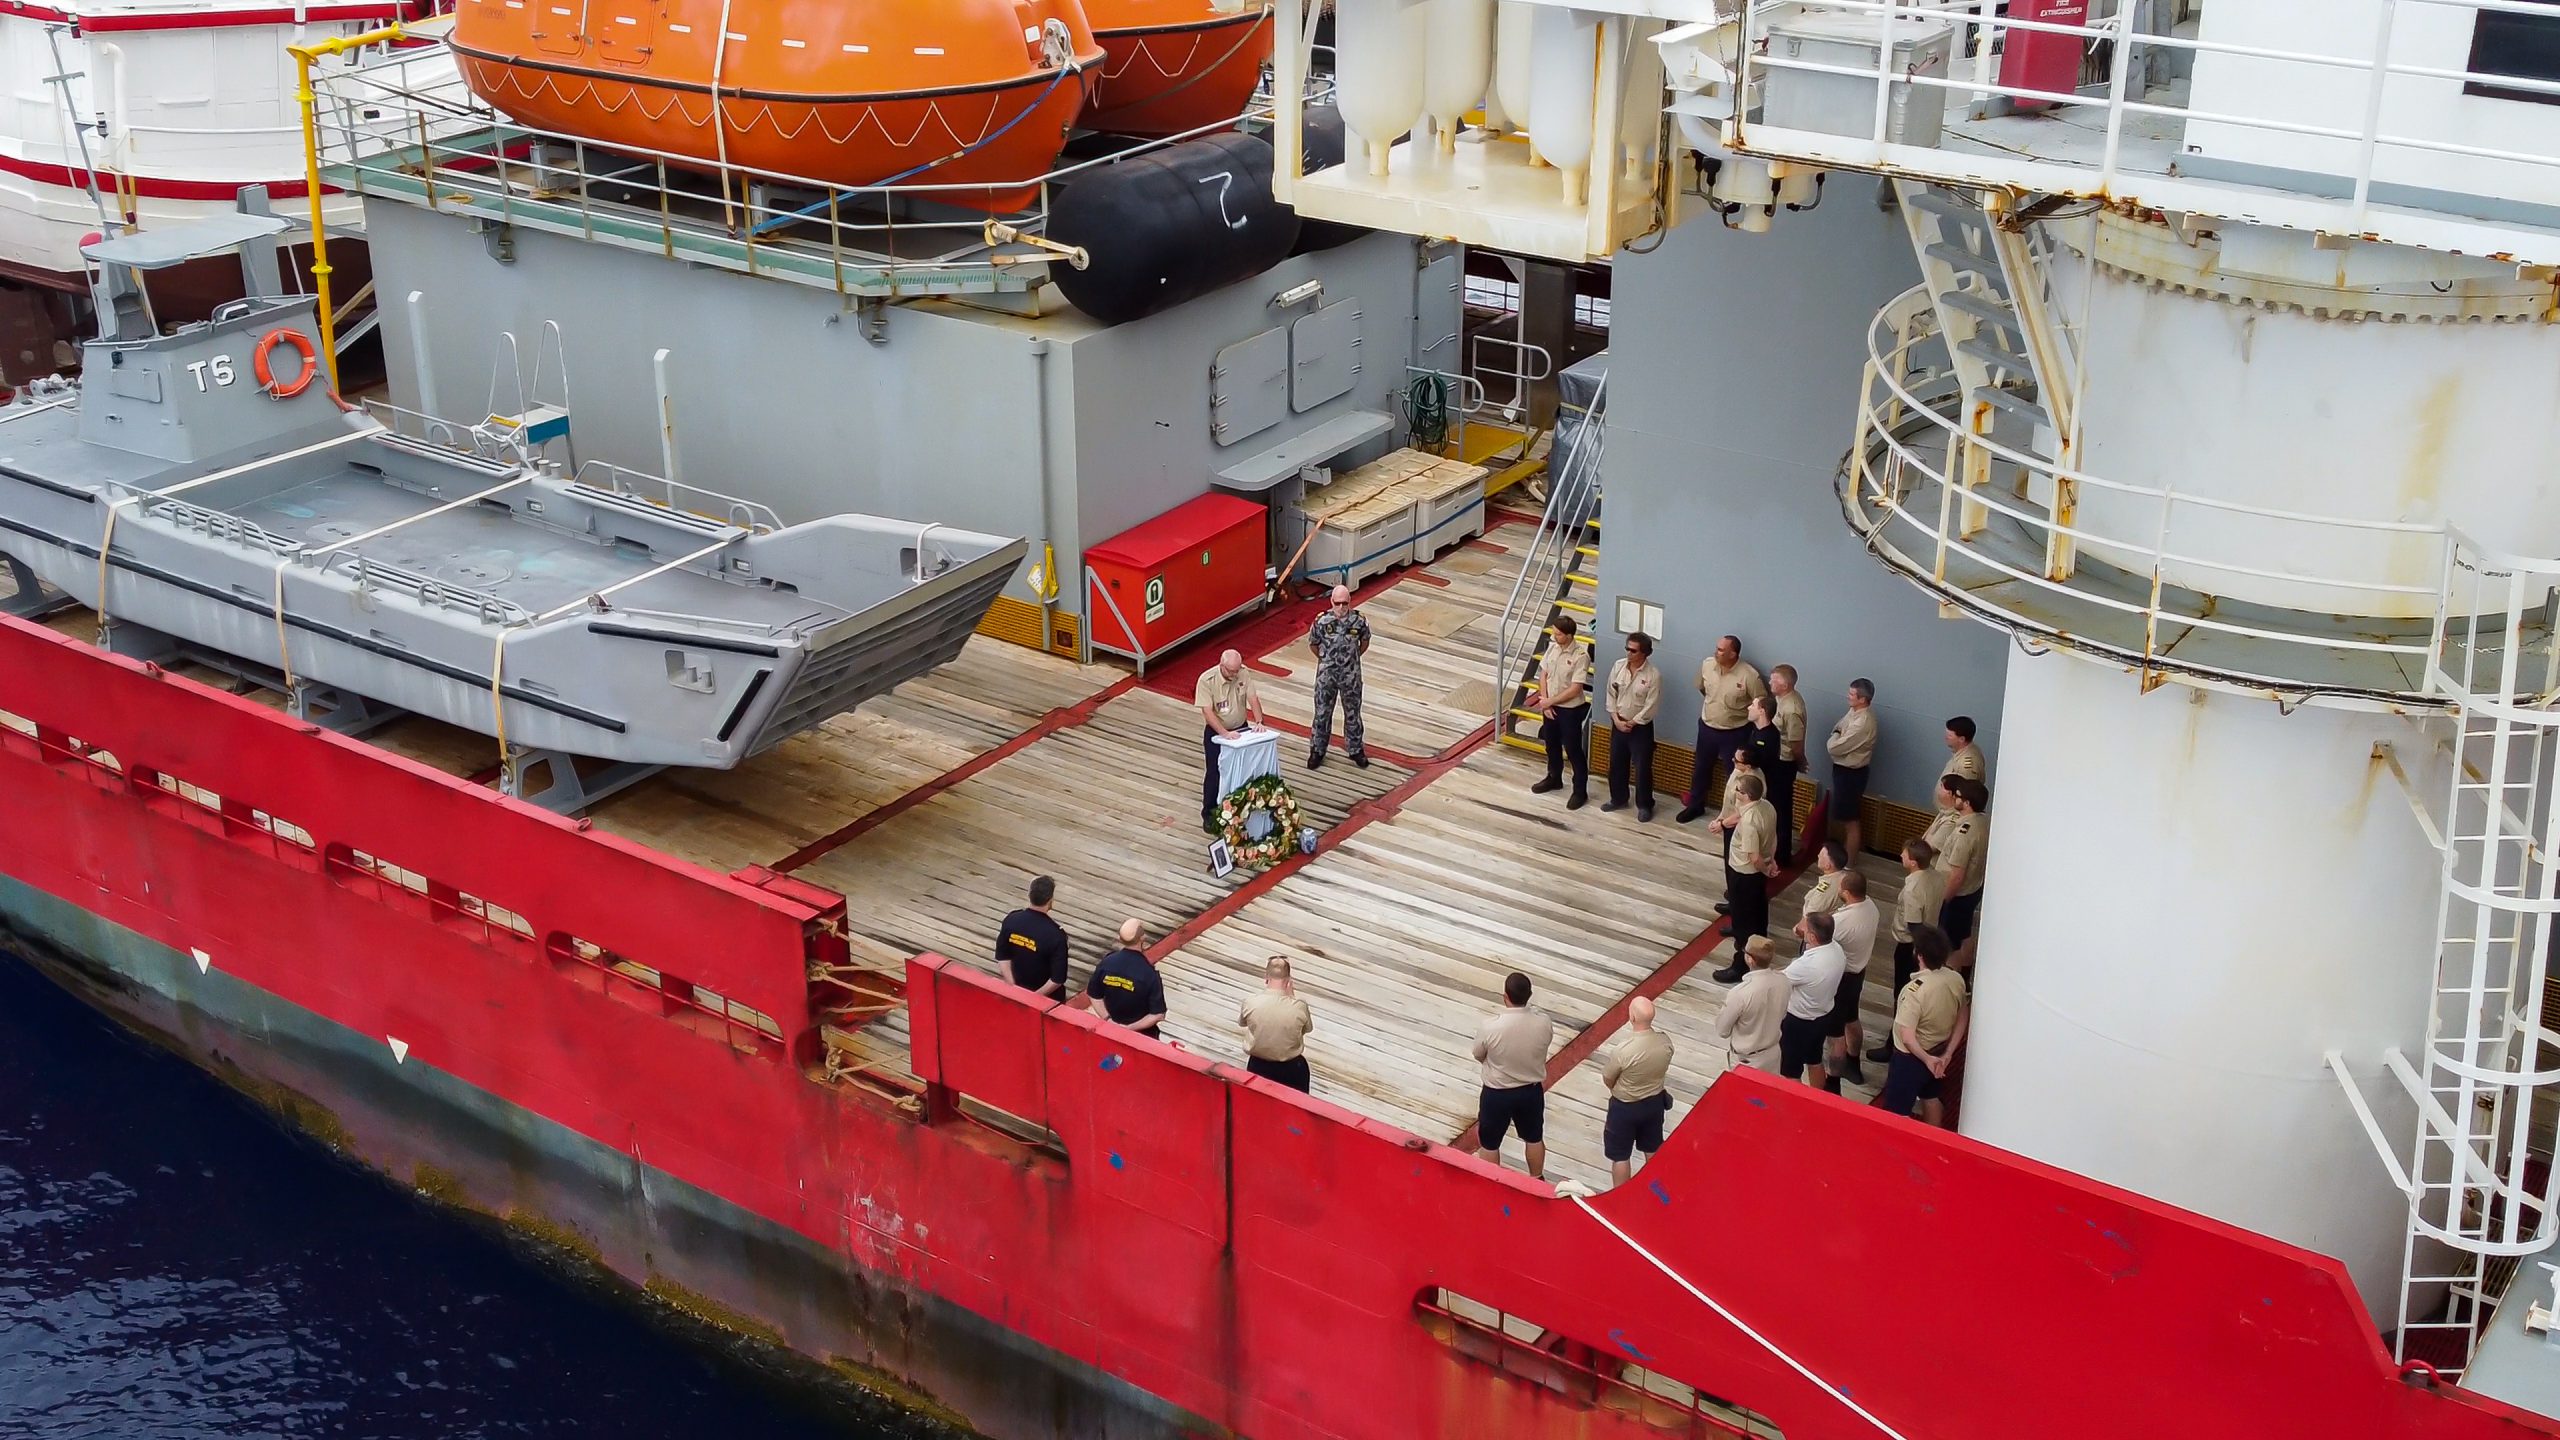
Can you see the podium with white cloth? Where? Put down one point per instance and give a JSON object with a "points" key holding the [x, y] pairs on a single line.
{"points": [[1246, 756]]}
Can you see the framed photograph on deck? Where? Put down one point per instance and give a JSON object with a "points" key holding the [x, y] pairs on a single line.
{"points": [[1222, 861]]}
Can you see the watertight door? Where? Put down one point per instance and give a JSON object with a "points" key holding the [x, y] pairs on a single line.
{"points": [[625, 30], [559, 26]]}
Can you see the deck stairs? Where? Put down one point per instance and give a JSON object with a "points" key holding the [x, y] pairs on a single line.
{"points": [[1986, 279], [1559, 578]]}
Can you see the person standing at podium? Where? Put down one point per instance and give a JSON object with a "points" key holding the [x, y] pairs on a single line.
{"points": [[1228, 703]]}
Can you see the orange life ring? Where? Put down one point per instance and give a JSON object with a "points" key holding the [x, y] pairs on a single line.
{"points": [[286, 390]]}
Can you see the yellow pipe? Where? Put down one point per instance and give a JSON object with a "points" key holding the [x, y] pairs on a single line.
{"points": [[303, 55]]}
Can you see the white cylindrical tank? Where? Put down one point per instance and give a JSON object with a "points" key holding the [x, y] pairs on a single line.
{"points": [[2343, 385], [2192, 898], [1460, 34], [1563, 84], [1515, 30], [1379, 61], [1640, 98]]}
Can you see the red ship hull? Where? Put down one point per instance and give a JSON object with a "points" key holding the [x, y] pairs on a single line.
{"points": [[1201, 1253]]}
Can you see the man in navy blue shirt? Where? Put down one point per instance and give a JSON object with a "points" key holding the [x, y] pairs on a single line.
{"points": [[1126, 983], [1032, 947]]}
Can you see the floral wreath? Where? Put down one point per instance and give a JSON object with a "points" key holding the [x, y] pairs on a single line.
{"points": [[1264, 793]]}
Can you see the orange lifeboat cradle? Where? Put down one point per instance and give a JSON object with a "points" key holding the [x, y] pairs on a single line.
{"points": [[974, 94]]}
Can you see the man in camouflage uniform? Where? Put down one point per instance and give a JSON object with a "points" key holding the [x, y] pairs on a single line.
{"points": [[1339, 637]]}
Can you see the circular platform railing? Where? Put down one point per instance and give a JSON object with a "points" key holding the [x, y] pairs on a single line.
{"points": [[1993, 530]]}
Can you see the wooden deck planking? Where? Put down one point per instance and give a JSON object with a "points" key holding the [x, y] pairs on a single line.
{"points": [[1427, 682], [1110, 808], [1578, 1104], [825, 778], [1401, 936]]}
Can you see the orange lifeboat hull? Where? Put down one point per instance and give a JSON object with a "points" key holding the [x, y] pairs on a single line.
{"points": [[1171, 66], [978, 94]]}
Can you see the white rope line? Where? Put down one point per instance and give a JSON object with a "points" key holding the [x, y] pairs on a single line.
{"points": [[262, 463], [649, 574], [450, 505], [1756, 1338]]}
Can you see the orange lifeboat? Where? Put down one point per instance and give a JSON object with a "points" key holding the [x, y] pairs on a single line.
{"points": [[1174, 65], [844, 92]]}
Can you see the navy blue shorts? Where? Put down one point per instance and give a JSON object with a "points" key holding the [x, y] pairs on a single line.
{"points": [[1907, 1082], [1848, 788], [1633, 1125], [1521, 1107]]}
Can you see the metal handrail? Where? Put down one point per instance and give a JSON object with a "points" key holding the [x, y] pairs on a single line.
{"points": [[427, 128], [1570, 501], [626, 482], [2123, 94], [1888, 403]]}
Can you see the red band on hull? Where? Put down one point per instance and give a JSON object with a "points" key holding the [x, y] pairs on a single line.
{"points": [[1255, 1258]]}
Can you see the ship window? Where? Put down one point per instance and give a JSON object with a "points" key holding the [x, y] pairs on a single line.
{"points": [[2525, 47], [19, 723], [1597, 1377]]}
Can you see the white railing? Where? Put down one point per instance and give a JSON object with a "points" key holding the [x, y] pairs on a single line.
{"points": [[1573, 498], [1919, 488], [408, 127], [2123, 139]]}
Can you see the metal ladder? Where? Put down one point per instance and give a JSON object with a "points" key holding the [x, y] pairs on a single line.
{"points": [[2007, 347], [2487, 1087], [1559, 577]]}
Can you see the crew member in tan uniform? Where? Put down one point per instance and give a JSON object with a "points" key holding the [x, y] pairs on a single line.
{"points": [[1511, 1052], [1726, 688], [1750, 860], [1275, 1024], [1745, 763], [1915, 908], [1563, 697], [1635, 697], [1930, 1017], [1757, 1008], [1635, 1070], [1963, 756], [1787, 708], [1852, 748], [1829, 864], [1963, 836], [1229, 704]]}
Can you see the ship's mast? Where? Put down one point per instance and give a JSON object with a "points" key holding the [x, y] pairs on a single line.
{"points": [[2228, 392]]}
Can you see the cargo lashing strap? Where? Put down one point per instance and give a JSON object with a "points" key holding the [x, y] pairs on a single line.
{"points": [[1346, 567], [107, 533]]}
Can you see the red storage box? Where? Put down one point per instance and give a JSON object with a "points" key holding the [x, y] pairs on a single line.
{"points": [[1176, 575]]}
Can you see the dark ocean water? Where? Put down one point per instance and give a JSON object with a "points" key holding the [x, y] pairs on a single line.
{"points": [[175, 1264]]}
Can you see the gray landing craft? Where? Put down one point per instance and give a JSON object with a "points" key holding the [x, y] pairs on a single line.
{"points": [[367, 571]]}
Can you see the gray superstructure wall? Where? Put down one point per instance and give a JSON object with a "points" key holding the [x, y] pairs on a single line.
{"points": [[1734, 373], [959, 418]]}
